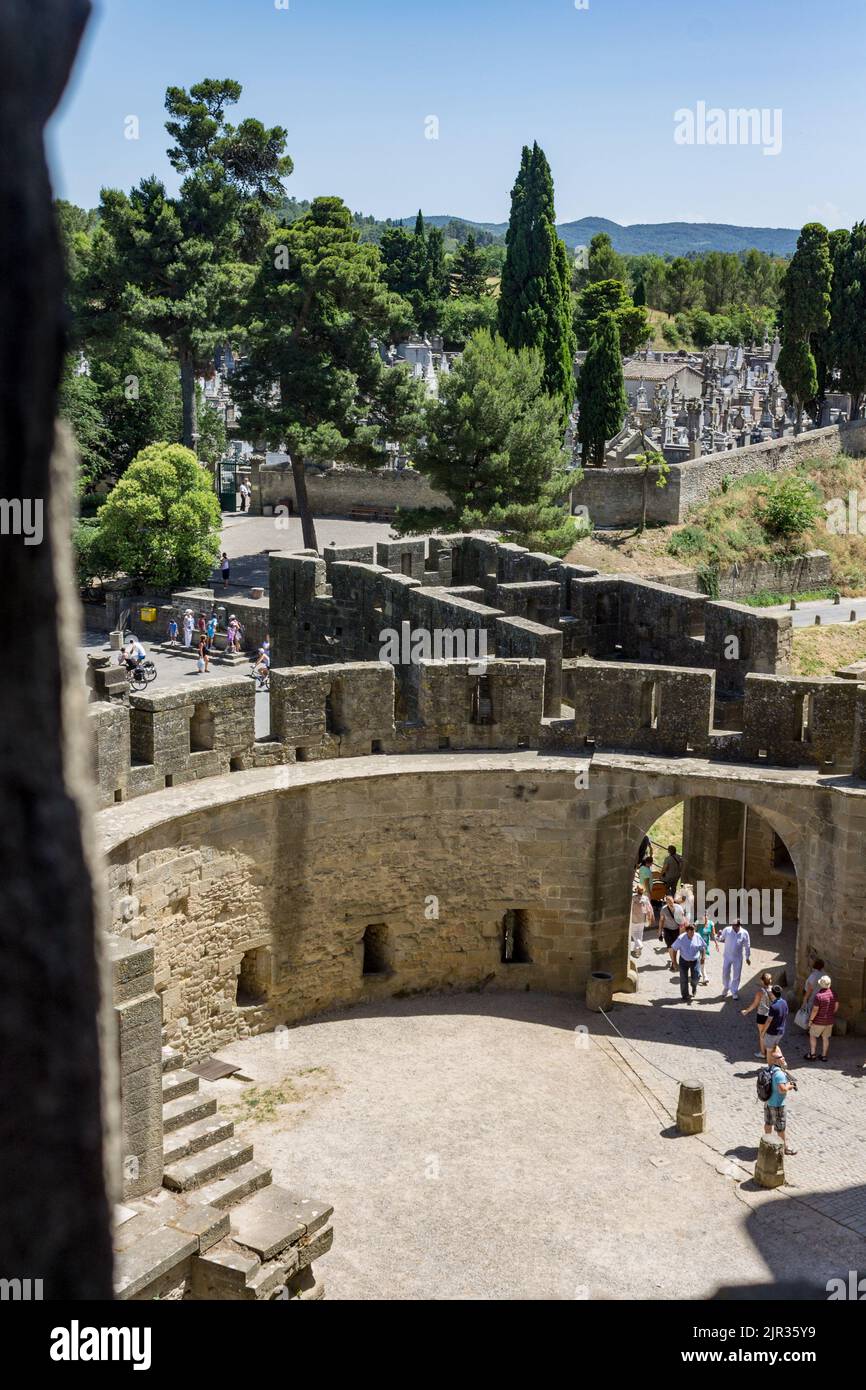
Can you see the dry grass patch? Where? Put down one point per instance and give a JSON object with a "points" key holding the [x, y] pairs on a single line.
{"points": [[819, 651]]}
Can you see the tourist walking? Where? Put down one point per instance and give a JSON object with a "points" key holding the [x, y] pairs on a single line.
{"points": [[202, 664], [706, 930], [225, 569], [641, 917], [761, 1002], [188, 628], [777, 1022], [172, 632], [646, 848], [823, 1011], [775, 1116], [687, 951], [211, 630], [672, 869], [671, 921], [737, 948]]}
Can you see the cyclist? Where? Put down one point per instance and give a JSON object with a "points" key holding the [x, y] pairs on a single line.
{"points": [[263, 664], [134, 654]]}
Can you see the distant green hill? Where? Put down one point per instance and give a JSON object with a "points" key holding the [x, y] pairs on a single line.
{"points": [[660, 238]]}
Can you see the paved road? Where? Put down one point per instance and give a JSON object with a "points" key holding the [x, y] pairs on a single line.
{"points": [[830, 612], [246, 540]]}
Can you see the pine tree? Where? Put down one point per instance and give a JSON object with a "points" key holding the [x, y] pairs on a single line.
{"points": [[311, 316], [468, 274], [535, 295], [601, 391]]}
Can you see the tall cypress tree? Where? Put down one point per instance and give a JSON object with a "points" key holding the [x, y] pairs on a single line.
{"points": [[535, 296], [601, 391], [848, 310], [804, 311]]}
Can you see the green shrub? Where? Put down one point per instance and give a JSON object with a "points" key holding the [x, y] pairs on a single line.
{"points": [[790, 507]]}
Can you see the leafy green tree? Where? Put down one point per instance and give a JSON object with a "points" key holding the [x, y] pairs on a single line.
{"points": [[848, 313], [535, 294], [414, 268], [720, 274], [804, 311], [493, 437], [602, 263], [161, 523], [610, 297], [178, 267], [79, 404], [601, 392], [469, 271], [462, 317], [317, 301], [682, 287]]}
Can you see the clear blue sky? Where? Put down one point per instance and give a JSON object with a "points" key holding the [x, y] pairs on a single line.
{"points": [[353, 81]]}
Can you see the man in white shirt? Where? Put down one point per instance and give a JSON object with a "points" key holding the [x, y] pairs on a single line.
{"points": [[689, 950], [737, 948]]}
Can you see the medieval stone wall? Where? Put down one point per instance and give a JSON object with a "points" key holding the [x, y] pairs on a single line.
{"points": [[256, 892]]}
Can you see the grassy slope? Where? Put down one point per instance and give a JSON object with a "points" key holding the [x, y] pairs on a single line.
{"points": [[819, 651], [727, 528]]}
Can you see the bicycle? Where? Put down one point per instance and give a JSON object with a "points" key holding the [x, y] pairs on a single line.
{"points": [[137, 677], [262, 678]]}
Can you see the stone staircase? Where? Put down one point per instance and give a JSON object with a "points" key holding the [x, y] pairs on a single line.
{"points": [[219, 1228]]}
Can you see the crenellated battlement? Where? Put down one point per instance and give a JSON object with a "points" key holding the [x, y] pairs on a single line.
{"points": [[352, 709]]}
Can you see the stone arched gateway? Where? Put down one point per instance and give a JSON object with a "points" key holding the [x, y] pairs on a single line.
{"points": [[638, 791], [258, 890]]}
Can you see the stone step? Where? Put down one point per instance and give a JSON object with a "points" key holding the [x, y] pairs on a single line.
{"points": [[224, 1272], [172, 1060], [195, 1137], [149, 1258], [198, 1169], [275, 1218], [186, 1109], [178, 1083], [228, 1191], [267, 1222]]}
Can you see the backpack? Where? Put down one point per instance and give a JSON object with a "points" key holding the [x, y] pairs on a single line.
{"points": [[764, 1082]]}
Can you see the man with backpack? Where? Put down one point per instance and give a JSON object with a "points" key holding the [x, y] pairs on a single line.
{"points": [[773, 1085]]}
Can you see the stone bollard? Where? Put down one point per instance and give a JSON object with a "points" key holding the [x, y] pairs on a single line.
{"points": [[853, 617], [115, 640], [691, 1115], [599, 991], [770, 1167], [817, 619], [792, 605], [837, 598]]}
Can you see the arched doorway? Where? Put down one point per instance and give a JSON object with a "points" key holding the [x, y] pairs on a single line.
{"points": [[740, 853]]}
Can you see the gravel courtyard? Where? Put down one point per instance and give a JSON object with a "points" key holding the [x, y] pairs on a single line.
{"points": [[478, 1146]]}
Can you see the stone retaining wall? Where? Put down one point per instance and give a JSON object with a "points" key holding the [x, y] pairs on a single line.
{"points": [[613, 496], [341, 490]]}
